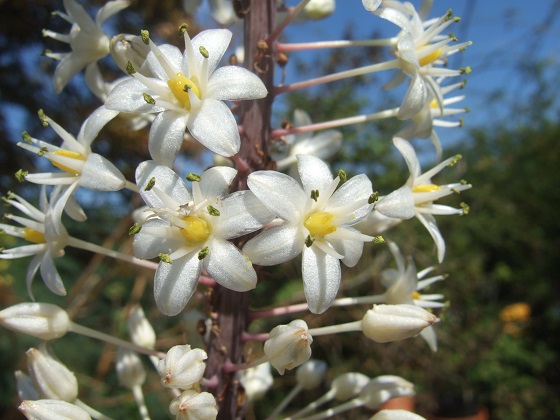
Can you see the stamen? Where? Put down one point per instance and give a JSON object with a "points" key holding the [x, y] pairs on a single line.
{"points": [[67, 154], [430, 58], [32, 235], [426, 188]]}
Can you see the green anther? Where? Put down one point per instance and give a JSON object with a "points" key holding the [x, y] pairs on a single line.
{"points": [[465, 70], [43, 118], [448, 15], [373, 198], [463, 84], [187, 87], [5, 201], [193, 177], [456, 19], [466, 208], [203, 51], [21, 174], [149, 99], [461, 122], [130, 70], [309, 241], [182, 29], [463, 182], [10, 195], [342, 176], [26, 137], [378, 240], [453, 37], [463, 49], [150, 184], [42, 151], [165, 258], [134, 229], [202, 254], [2, 249], [455, 191], [213, 211], [456, 159], [145, 36], [467, 109], [314, 194]]}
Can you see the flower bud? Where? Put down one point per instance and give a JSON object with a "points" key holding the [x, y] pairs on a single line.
{"points": [[25, 387], [130, 369], [288, 346], [319, 9], [52, 410], [384, 323], [311, 374], [182, 367], [128, 48], [396, 415], [51, 378], [41, 320], [348, 385], [194, 405], [256, 381], [140, 330], [383, 388]]}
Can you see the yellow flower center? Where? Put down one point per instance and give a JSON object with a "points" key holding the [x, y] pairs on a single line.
{"points": [[320, 224], [178, 84], [426, 188], [415, 296], [68, 154], [31, 235], [197, 230], [434, 104], [430, 58]]}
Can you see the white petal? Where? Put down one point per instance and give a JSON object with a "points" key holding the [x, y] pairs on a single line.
{"points": [[280, 193], [323, 145], [166, 137], [166, 180], [356, 188], [407, 51], [275, 245], [352, 250], [215, 181], [229, 267], [21, 251], [321, 279], [79, 15], [216, 42], [241, 213], [50, 275], [93, 125], [430, 223], [68, 67], [173, 55], [74, 210], [128, 96], [100, 174], [371, 5], [398, 205], [147, 245], [410, 157], [175, 283], [314, 174], [429, 335], [214, 126], [110, 9], [234, 83], [416, 97]]}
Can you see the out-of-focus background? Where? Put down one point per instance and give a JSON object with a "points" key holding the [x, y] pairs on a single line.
{"points": [[500, 335]]}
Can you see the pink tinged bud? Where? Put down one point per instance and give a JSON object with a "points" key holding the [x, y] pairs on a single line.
{"points": [[348, 385], [384, 323], [256, 381], [41, 320], [192, 405], [51, 378], [383, 388], [130, 369], [311, 374], [52, 410], [25, 387], [288, 346], [182, 367], [140, 330]]}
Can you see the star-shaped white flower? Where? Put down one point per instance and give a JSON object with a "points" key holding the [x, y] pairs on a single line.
{"points": [[191, 232], [86, 38], [43, 228], [403, 285], [421, 51], [417, 196], [187, 92], [317, 220]]}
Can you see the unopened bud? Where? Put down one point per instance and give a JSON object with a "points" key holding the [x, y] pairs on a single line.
{"points": [[288, 346], [41, 320], [384, 323], [52, 378], [25, 387], [383, 388], [311, 374], [348, 385], [182, 367], [140, 330], [52, 410], [319, 9], [130, 369], [256, 381], [194, 405], [396, 415]]}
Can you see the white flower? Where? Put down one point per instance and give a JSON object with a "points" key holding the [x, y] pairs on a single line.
{"points": [[182, 367], [51, 377], [42, 320], [130, 370], [288, 346], [86, 38], [45, 231], [323, 145], [192, 232], [417, 196], [192, 405], [52, 410], [311, 374], [392, 414], [188, 92], [421, 51], [317, 221], [75, 157], [256, 381], [141, 331], [403, 286], [383, 388]]}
